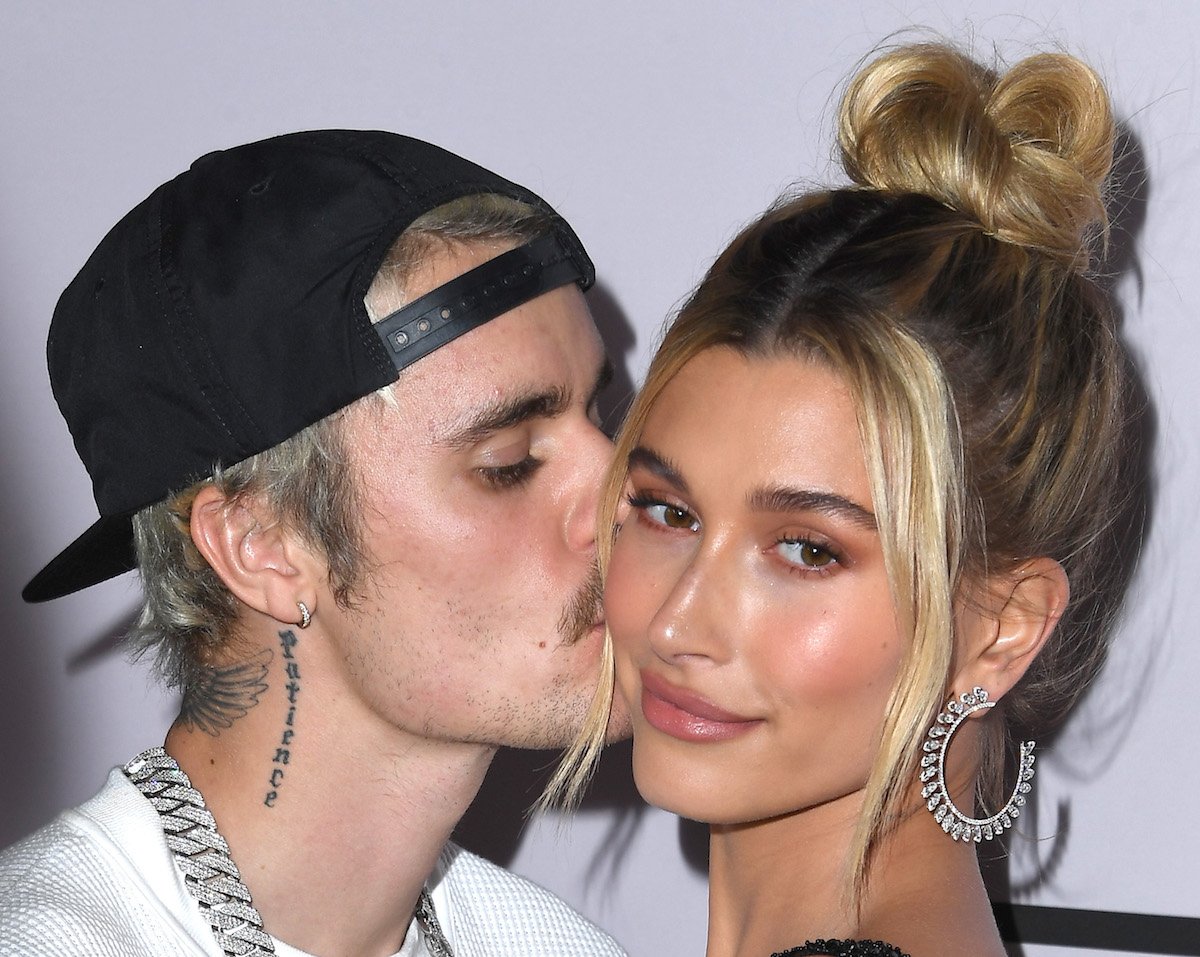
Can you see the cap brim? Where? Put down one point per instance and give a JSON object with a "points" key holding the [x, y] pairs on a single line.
{"points": [[102, 552]]}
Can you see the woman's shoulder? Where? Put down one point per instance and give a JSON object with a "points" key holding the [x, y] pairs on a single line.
{"points": [[843, 948]]}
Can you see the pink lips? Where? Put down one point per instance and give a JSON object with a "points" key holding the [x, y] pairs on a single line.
{"points": [[688, 716]]}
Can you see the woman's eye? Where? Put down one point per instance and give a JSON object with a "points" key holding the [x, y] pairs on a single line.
{"points": [[509, 476], [806, 554], [662, 513], [673, 517]]}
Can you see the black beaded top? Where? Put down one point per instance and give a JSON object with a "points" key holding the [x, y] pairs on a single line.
{"points": [[843, 948]]}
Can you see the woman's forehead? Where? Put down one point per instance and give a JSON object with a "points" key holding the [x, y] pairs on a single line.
{"points": [[774, 421]]}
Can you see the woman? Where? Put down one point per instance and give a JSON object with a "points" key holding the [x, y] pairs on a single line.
{"points": [[874, 457]]}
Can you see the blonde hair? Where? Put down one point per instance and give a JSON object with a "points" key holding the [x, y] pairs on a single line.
{"points": [[950, 287], [187, 612]]}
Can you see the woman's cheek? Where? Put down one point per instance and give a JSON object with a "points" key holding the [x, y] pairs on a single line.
{"points": [[625, 594], [822, 639]]}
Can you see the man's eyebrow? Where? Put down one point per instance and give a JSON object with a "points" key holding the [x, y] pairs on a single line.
{"points": [[649, 460], [781, 499], [508, 412]]}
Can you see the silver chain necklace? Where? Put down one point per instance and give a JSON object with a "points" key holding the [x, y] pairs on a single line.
{"points": [[209, 873]]}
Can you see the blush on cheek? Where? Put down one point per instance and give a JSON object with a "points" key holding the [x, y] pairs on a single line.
{"points": [[828, 657]]}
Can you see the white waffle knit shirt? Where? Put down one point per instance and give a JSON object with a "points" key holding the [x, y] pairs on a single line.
{"points": [[100, 881]]}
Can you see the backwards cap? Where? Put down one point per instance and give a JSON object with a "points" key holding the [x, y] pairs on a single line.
{"points": [[226, 313]]}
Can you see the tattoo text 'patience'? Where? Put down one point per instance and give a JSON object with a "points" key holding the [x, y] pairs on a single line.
{"points": [[283, 753]]}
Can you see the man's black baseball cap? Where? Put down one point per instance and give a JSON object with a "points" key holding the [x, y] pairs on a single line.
{"points": [[225, 313]]}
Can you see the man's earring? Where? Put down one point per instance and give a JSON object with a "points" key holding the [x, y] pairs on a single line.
{"points": [[305, 615], [933, 773]]}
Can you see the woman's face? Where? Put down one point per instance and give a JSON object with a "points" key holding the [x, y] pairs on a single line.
{"points": [[756, 641]]}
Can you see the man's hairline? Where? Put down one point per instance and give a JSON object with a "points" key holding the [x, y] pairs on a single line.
{"points": [[393, 284]]}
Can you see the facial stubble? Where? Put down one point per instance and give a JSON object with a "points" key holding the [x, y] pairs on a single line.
{"points": [[583, 610]]}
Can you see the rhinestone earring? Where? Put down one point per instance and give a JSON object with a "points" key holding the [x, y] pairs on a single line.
{"points": [[933, 773], [305, 615]]}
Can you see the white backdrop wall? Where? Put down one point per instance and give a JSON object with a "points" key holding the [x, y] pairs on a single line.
{"points": [[657, 128]]}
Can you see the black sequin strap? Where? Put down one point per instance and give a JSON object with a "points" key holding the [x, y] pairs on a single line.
{"points": [[843, 948]]}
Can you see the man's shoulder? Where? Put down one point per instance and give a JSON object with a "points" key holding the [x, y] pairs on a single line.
{"points": [[72, 887], [54, 894], [41, 859], [497, 912], [48, 872]]}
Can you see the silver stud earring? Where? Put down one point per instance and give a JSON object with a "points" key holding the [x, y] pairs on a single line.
{"points": [[933, 774], [305, 615]]}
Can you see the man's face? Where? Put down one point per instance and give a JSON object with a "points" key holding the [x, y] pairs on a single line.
{"points": [[479, 619]]}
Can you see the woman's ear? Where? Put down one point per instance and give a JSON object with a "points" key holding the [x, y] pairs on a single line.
{"points": [[1002, 631], [262, 562]]}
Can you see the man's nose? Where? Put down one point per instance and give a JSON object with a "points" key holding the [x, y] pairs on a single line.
{"points": [[594, 453]]}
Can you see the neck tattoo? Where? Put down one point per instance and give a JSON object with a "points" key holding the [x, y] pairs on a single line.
{"points": [[283, 753], [209, 873]]}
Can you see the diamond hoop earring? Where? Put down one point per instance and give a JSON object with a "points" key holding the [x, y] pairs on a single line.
{"points": [[933, 773], [305, 615]]}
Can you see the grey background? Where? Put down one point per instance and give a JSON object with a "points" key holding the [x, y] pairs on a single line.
{"points": [[657, 128]]}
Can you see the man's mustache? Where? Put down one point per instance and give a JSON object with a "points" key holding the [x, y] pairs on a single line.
{"points": [[583, 610]]}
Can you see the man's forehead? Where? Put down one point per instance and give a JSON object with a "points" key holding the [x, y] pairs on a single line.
{"points": [[547, 349], [462, 286]]}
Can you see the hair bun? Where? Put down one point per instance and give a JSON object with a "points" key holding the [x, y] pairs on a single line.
{"points": [[1025, 154]]}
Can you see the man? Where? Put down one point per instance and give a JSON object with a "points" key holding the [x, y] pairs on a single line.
{"points": [[337, 395]]}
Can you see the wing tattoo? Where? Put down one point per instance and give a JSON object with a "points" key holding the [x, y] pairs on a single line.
{"points": [[217, 697]]}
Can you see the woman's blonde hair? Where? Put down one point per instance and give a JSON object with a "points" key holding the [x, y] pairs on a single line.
{"points": [[950, 287]]}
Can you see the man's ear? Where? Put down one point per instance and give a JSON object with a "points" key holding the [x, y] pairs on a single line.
{"points": [[263, 563], [1004, 628]]}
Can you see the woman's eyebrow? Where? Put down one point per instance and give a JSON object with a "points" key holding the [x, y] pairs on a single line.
{"points": [[777, 498], [649, 460]]}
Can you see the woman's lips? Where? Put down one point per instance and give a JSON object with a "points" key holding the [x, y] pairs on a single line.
{"points": [[688, 716]]}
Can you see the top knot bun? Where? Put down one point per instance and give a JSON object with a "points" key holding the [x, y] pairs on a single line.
{"points": [[1026, 154]]}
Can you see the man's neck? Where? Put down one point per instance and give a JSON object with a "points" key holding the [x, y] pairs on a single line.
{"points": [[334, 817]]}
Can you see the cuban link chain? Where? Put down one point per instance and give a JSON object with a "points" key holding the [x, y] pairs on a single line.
{"points": [[209, 872]]}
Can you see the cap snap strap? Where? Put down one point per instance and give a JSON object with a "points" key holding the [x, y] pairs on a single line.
{"points": [[477, 296]]}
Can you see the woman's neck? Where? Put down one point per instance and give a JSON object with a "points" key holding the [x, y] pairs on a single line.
{"points": [[772, 880], [775, 884]]}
